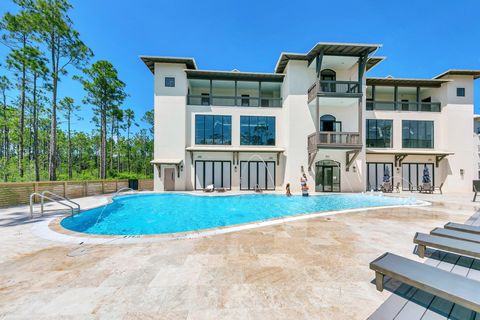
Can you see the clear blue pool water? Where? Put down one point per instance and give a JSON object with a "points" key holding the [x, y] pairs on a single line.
{"points": [[168, 213]]}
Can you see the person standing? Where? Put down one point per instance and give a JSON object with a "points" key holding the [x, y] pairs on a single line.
{"points": [[288, 193], [303, 184]]}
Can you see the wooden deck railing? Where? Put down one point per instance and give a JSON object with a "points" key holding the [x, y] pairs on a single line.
{"points": [[327, 139], [17, 193]]}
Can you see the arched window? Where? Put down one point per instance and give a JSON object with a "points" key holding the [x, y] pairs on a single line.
{"points": [[327, 80], [328, 75], [330, 123]]}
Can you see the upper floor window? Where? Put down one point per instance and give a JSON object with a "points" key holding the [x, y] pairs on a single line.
{"points": [[169, 82], [213, 129], [417, 134], [257, 130], [379, 133], [460, 92]]}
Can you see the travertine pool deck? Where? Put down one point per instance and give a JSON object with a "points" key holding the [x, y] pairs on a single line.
{"points": [[309, 269]]}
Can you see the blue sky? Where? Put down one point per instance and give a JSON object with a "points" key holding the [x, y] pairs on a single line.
{"points": [[420, 38]]}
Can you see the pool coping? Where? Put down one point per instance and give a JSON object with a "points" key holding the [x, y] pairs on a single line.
{"points": [[51, 229]]}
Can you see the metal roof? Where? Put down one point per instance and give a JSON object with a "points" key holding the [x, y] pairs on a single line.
{"points": [[328, 48], [373, 61], [404, 82], [150, 61], [233, 75], [455, 72]]}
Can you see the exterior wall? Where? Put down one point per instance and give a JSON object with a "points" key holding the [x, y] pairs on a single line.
{"points": [[235, 113], [170, 113], [175, 131]]}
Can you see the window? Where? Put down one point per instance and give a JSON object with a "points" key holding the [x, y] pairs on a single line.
{"points": [[257, 130], [210, 129], [169, 82], [205, 99], [417, 134], [460, 92], [379, 133], [245, 100]]}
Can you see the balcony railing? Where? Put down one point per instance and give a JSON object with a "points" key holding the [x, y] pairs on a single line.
{"points": [[204, 100], [327, 139], [333, 88], [404, 106]]}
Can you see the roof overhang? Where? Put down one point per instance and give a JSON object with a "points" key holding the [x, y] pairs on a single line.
{"points": [[405, 82], [166, 161], [452, 72], [233, 75], [373, 61], [328, 48], [151, 60], [400, 155], [235, 149]]}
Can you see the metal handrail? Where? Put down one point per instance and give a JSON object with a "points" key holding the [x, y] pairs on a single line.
{"points": [[48, 198], [122, 190], [60, 197]]}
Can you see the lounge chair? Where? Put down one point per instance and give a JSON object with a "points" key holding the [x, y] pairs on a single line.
{"points": [[426, 187], [209, 188], [386, 187], [461, 247], [462, 227], [397, 187], [444, 284], [220, 189], [454, 234]]}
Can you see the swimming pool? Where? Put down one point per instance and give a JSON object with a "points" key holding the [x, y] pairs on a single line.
{"points": [[169, 213]]}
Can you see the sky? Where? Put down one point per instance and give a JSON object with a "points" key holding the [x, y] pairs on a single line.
{"points": [[421, 39]]}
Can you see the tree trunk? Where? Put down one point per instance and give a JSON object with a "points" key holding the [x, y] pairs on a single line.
{"points": [[5, 137], [103, 144], [112, 131], [52, 154], [128, 149], [35, 129], [21, 123], [69, 147]]}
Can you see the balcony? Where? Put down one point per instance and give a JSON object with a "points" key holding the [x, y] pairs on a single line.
{"points": [[233, 101], [334, 140], [404, 106], [334, 89]]}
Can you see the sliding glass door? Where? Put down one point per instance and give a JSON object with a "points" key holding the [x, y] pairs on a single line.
{"points": [[376, 172], [217, 173], [257, 173], [412, 175]]}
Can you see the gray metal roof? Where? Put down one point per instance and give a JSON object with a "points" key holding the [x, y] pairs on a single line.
{"points": [[150, 61], [373, 61], [404, 82], [456, 72], [233, 75], [328, 48]]}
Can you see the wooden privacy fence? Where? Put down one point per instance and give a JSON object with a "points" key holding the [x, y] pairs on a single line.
{"points": [[16, 193]]}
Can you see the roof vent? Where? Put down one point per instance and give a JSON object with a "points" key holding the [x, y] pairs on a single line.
{"points": [[389, 77], [235, 70]]}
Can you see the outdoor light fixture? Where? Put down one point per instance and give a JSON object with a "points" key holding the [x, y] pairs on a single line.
{"points": [[235, 168], [354, 169], [462, 172], [398, 169]]}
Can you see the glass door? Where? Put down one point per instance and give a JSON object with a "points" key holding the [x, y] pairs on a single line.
{"points": [[327, 176]]}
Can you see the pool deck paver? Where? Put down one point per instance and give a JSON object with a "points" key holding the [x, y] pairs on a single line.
{"points": [[308, 269]]}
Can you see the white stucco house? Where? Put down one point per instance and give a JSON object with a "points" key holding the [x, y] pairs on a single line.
{"points": [[317, 113]]}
